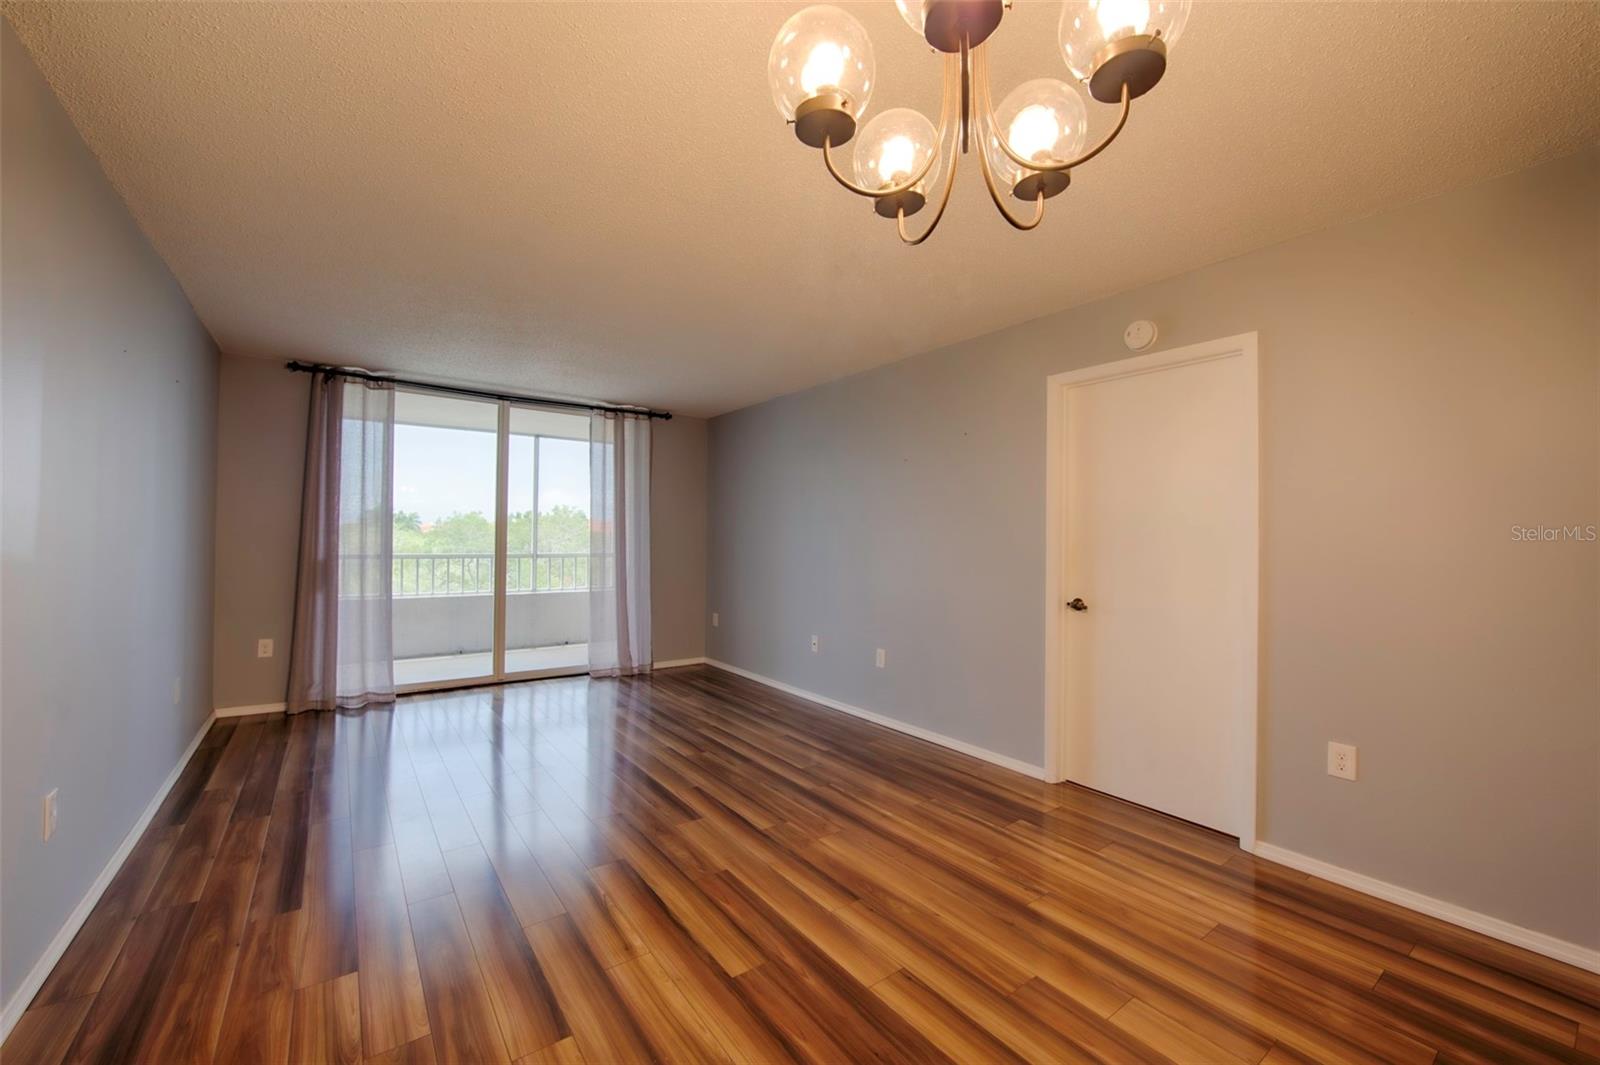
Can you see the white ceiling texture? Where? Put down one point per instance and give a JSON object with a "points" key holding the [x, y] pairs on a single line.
{"points": [[599, 199]]}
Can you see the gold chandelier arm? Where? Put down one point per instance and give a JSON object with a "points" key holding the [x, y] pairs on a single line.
{"points": [[909, 183], [994, 193], [944, 201], [1052, 167], [938, 215]]}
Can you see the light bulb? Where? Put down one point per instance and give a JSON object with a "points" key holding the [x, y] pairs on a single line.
{"points": [[1122, 16], [824, 68], [1033, 132], [1088, 26], [820, 50], [893, 147], [896, 159], [1043, 120]]}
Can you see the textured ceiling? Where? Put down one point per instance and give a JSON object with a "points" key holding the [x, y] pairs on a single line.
{"points": [[598, 199]]}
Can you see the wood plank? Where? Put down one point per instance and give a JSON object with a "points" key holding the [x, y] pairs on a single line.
{"points": [[523, 879], [44, 1033], [460, 1012], [422, 867], [530, 1017], [256, 1031], [670, 1024], [604, 1028], [393, 1009], [327, 1023], [416, 1052], [1165, 1035], [269, 956], [565, 1052], [330, 949], [281, 879], [188, 1016], [124, 1009], [83, 968], [186, 871], [745, 1035], [604, 927], [941, 1022]]}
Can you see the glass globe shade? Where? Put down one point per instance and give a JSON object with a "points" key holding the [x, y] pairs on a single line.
{"points": [[1042, 120], [820, 50], [893, 147], [912, 12], [1087, 26]]}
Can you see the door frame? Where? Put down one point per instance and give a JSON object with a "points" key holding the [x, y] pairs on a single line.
{"points": [[1057, 525]]}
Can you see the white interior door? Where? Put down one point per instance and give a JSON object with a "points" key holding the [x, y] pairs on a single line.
{"points": [[1161, 546]]}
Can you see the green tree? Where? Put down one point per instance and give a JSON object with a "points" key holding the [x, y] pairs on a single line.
{"points": [[563, 529]]}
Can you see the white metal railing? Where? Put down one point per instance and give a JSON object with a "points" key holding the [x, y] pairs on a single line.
{"points": [[473, 574]]}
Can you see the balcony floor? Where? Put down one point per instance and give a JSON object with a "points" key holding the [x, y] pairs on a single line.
{"points": [[436, 668]]}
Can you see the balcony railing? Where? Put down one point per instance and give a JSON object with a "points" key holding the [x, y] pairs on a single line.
{"points": [[473, 574]]}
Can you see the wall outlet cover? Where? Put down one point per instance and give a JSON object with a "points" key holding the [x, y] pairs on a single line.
{"points": [[814, 645], [51, 810], [716, 619], [878, 661], [263, 648], [1342, 760]]}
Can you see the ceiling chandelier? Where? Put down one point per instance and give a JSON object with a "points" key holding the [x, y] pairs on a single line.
{"points": [[821, 70]]}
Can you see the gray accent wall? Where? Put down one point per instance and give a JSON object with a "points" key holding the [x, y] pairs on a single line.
{"points": [[260, 462], [109, 410], [261, 455], [678, 539], [1430, 379]]}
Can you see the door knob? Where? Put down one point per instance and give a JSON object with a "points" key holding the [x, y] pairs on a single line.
{"points": [[1078, 604]]}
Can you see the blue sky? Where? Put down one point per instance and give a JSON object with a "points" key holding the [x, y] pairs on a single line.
{"points": [[438, 472]]}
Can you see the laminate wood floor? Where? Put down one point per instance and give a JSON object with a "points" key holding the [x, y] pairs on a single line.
{"points": [[693, 867]]}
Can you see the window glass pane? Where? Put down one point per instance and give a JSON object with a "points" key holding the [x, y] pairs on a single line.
{"points": [[547, 541], [444, 537]]}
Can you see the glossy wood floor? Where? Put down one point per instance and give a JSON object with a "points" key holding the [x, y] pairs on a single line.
{"points": [[692, 867]]}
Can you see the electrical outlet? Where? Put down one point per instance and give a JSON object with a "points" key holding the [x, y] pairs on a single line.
{"points": [[50, 814], [1342, 760], [716, 619], [879, 660], [813, 645], [263, 648], [177, 691]]}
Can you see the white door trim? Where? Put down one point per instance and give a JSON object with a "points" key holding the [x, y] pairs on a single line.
{"points": [[1057, 386]]}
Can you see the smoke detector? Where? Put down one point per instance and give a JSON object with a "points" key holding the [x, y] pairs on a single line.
{"points": [[1139, 335]]}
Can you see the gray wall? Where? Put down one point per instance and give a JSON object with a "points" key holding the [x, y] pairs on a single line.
{"points": [[260, 461], [261, 454], [110, 390], [678, 539], [1430, 377]]}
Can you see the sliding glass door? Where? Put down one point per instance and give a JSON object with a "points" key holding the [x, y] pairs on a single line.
{"points": [[445, 518], [547, 542], [491, 541]]}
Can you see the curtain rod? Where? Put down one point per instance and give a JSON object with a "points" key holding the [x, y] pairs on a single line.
{"points": [[477, 393]]}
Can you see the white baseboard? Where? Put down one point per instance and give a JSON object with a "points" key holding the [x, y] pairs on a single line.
{"points": [[674, 663], [1006, 761], [36, 977], [249, 711], [1538, 942]]}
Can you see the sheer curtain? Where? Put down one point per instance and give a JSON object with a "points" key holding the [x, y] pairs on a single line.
{"points": [[341, 655], [619, 544]]}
